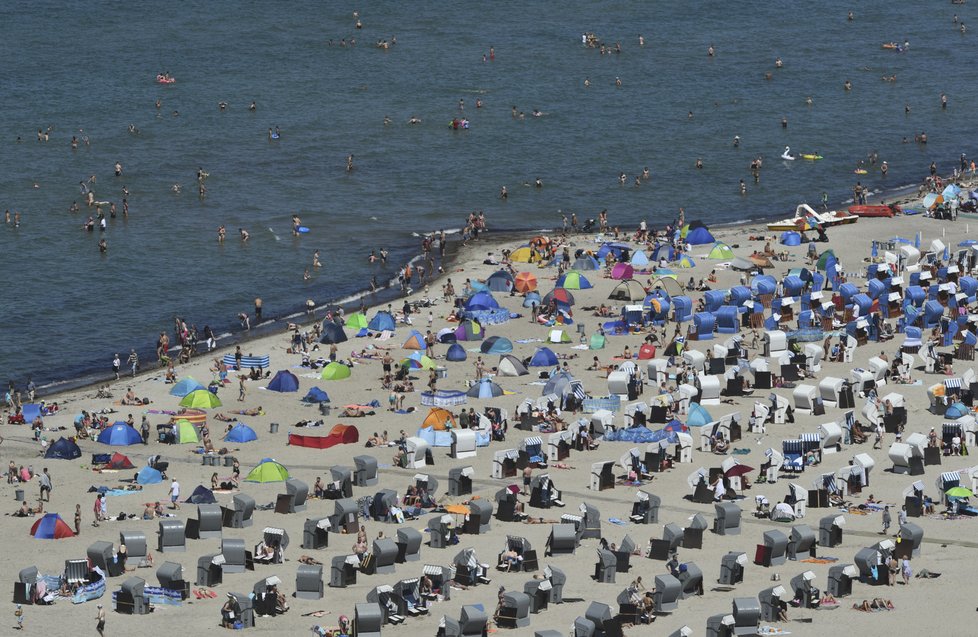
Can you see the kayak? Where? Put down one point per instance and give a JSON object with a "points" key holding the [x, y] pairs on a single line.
{"points": [[873, 211], [811, 156]]}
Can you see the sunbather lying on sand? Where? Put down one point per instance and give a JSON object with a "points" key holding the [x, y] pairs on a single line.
{"points": [[878, 603]]}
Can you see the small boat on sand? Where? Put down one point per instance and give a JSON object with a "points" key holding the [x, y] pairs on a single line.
{"points": [[874, 211], [805, 215]]}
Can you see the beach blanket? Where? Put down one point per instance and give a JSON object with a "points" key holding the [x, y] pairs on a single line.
{"points": [[109, 492], [821, 560], [740, 451], [618, 521]]}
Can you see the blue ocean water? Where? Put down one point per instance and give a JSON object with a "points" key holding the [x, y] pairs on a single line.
{"points": [[88, 69]]}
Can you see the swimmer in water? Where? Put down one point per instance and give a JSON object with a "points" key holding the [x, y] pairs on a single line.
{"points": [[349, 163], [710, 51], [587, 82], [305, 275], [478, 103], [618, 82], [221, 232], [315, 260], [646, 175], [387, 120], [253, 107], [503, 193], [103, 246], [809, 101], [244, 234], [778, 63], [736, 141], [847, 85], [699, 163]]}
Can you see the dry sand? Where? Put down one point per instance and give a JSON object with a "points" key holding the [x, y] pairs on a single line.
{"points": [[948, 547]]}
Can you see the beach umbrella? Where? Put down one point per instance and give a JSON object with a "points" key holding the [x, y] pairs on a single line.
{"points": [[120, 435], [356, 321], [622, 271], [959, 492], [573, 281], [201, 399], [268, 471], [932, 199], [525, 282], [332, 333], [951, 191], [51, 527], [335, 371], [185, 386], [240, 433], [558, 294], [284, 381], [737, 471], [184, 432]]}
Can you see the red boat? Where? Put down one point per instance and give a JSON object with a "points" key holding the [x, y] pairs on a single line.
{"points": [[874, 211]]}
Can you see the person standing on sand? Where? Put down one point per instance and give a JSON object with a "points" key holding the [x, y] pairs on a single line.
{"points": [[100, 620], [241, 388], [77, 519], [133, 361], [887, 519], [174, 494], [116, 365]]}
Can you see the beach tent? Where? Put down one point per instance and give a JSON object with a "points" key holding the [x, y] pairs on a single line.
{"points": [[315, 395], [335, 371], [201, 399], [561, 295], [63, 449], [685, 262], [51, 527], [414, 341], [119, 461], [558, 336], [639, 260], [332, 333], [523, 254], [531, 299], [496, 345], [382, 321], [585, 263], [699, 236], [956, 410], [525, 282], [543, 357], [469, 330], [120, 434], [573, 281], [201, 495], [628, 290], [617, 249], [268, 471], [284, 381], [184, 432], [740, 263], [646, 352], [338, 435], [439, 419], [185, 386], [720, 250], [484, 388], [446, 335], [509, 365], [149, 475], [481, 302], [557, 383], [597, 341], [697, 416], [455, 353], [417, 360], [478, 286], [663, 251], [240, 433], [790, 238], [622, 271], [356, 321], [668, 285], [500, 281]]}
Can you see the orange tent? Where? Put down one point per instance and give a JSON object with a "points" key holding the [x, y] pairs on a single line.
{"points": [[440, 419], [525, 282], [338, 435]]}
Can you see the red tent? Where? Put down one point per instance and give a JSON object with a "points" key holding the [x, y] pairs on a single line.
{"points": [[119, 461], [646, 352], [51, 527], [339, 435]]}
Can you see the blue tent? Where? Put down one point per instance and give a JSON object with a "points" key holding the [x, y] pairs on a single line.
{"points": [[30, 412], [284, 381], [496, 345], [699, 236], [957, 410], [500, 281], [790, 238], [663, 250], [639, 259], [149, 475], [615, 248], [585, 262], [63, 449], [185, 386], [531, 299], [315, 395], [381, 321], [455, 353], [241, 433], [119, 435], [543, 357], [485, 388], [332, 333], [201, 495], [697, 416], [51, 527], [480, 302]]}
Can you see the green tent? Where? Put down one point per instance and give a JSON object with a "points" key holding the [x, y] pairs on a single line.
{"points": [[335, 371], [356, 321], [185, 432], [720, 250], [597, 341], [201, 399], [268, 471], [823, 259]]}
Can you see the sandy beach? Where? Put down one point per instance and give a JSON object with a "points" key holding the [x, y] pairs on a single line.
{"points": [[947, 546]]}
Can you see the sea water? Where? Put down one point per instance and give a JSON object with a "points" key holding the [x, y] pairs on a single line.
{"points": [[88, 70]]}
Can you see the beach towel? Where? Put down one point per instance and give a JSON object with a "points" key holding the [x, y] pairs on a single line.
{"points": [[740, 452], [618, 522]]}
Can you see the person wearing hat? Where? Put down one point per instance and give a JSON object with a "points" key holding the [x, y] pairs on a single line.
{"points": [[100, 620]]}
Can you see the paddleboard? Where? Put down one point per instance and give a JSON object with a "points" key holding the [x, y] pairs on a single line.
{"points": [[811, 156], [302, 229]]}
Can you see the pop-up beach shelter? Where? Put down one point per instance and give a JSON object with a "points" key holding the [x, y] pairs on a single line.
{"points": [[415, 340], [622, 271], [699, 236], [335, 371], [573, 281], [149, 475], [720, 250], [332, 333], [455, 353], [241, 433], [790, 238], [628, 290], [356, 321], [284, 381], [382, 321], [51, 527], [509, 365], [268, 471], [63, 449], [439, 419], [120, 434], [201, 495], [315, 395], [496, 345], [543, 357], [185, 433], [469, 330], [560, 295], [481, 302], [484, 388], [500, 281], [639, 260], [119, 461], [201, 399], [585, 263], [185, 386]]}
